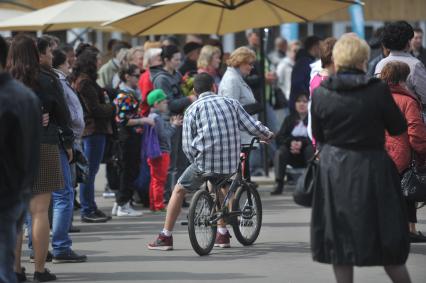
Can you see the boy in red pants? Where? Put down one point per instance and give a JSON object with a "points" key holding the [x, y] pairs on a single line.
{"points": [[159, 166]]}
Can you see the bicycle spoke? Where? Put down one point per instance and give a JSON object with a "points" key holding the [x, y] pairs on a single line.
{"points": [[248, 219], [202, 226]]}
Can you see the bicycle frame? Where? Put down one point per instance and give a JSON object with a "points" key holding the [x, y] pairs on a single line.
{"points": [[240, 180]]}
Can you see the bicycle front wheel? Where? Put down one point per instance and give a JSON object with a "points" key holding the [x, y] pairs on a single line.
{"points": [[247, 225], [202, 234]]}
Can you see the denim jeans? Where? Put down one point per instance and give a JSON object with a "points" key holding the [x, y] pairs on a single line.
{"points": [[10, 221], [93, 147], [63, 206]]}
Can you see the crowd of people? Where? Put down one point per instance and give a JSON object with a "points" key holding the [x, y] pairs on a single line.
{"points": [[160, 117]]}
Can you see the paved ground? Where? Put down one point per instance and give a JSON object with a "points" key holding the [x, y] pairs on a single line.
{"points": [[117, 252]]}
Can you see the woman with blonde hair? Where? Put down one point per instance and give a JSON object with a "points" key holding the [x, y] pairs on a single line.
{"points": [[209, 62], [358, 215]]}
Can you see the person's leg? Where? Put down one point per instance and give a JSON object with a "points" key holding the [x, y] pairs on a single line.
{"points": [[9, 221], [94, 150], [159, 167], [172, 172], [344, 273], [282, 158], [412, 216], [130, 164], [191, 179], [62, 211], [174, 207], [39, 205], [18, 252], [398, 273]]}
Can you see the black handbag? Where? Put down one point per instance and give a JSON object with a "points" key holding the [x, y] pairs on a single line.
{"points": [[81, 167], [307, 183], [413, 183]]}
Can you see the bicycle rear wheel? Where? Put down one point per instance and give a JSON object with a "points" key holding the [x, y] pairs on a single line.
{"points": [[247, 225], [202, 234]]}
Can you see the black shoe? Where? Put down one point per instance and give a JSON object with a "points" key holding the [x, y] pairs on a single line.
{"points": [[20, 276], [69, 257], [417, 237], [93, 218], [44, 276], [278, 189], [73, 229], [101, 214], [48, 257]]}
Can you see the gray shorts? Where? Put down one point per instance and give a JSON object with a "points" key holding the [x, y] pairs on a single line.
{"points": [[192, 178]]}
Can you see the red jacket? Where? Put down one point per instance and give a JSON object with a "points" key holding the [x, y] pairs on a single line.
{"points": [[399, 147], [145, 85]]}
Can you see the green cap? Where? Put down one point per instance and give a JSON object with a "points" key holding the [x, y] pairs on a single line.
{"points": [[157, 95]]}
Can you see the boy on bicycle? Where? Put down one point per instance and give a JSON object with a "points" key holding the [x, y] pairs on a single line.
{"points": [[211, 141]]}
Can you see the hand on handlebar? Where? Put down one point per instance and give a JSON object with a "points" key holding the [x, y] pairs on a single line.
{"points": [[268, 139]]}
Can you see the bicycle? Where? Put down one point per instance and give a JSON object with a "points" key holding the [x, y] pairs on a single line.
{"points": [[206, 209]]}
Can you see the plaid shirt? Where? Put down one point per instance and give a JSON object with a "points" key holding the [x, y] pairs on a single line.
{"points": [[211, 133]]}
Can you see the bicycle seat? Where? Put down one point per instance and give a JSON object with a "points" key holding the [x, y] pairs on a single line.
{"points": [[213, 176]]}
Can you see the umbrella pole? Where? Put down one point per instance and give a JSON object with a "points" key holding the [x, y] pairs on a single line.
{"points": [[263, 114]]}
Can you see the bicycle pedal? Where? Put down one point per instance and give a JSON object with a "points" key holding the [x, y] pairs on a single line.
{"points": [[184, 223]]}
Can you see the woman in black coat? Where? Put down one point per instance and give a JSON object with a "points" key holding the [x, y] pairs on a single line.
{"points": [[358, 214], [294, 146]]}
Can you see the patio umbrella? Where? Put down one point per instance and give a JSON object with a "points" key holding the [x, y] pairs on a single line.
{"points": [[26, 5], [71, 14], [223, 16]]}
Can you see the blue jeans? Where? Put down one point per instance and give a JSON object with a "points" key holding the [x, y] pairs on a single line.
{"points": [[93, 147], [10, 220], [63, 205]]}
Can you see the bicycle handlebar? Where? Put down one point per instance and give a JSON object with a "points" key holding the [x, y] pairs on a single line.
{"points": [[251, 145]]}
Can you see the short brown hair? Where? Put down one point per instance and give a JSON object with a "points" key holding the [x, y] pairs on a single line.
{"points": [[395, 72], [240, 56], [326, 51]]}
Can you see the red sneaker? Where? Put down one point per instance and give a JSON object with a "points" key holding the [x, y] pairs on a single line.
{"points": [[162, 243], [223, 241]]}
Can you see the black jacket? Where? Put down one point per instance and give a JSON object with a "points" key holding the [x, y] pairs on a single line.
{"points": [[300, 76], [50, 93], [284, 136], [20, 133], [189, 67], [352, 110]]}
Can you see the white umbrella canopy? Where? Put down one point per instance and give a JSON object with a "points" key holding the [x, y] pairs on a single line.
{"points": [[71, 14], [26, 5], [223, 16], [10, 13]]}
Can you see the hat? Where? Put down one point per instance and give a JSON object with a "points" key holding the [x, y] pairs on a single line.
{"points": [[191, 46], [157, 95]]}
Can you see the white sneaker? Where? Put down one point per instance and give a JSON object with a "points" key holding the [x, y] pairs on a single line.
{"points": [[114, 209], [127, 210]]}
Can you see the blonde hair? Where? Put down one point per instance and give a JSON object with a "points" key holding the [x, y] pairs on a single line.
{"points": [[240, 56], [206, 55], [151, 44], [350, 51], [133, 51]]}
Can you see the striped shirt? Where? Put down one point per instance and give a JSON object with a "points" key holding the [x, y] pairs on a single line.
{"points": [[211, 133]]}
